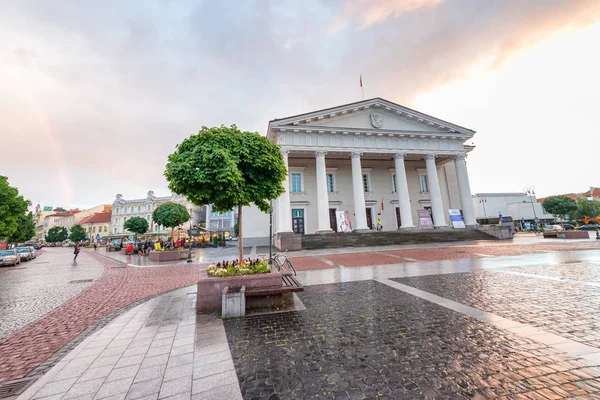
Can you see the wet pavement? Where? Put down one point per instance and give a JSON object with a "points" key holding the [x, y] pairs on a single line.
{"points": [[394, 322]]}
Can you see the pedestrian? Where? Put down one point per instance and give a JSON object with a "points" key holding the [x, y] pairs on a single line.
{"points": [[146, 247], [140, 247], [95, 246], [379, 226], [76, 251], [129, 249], [157, 245]]}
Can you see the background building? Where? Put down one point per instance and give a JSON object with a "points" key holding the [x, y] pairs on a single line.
{"points": [[97, 225], [220, 222], [123, 209], [519, 206]]}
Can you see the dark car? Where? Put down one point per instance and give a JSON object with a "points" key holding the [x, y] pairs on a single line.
{"points": [[590, 227]]}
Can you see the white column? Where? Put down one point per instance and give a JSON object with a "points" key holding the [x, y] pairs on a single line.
{"points": [[402, 192], [284, 215], [465, 190], [437, 206], [360, 211], [322, 195]]}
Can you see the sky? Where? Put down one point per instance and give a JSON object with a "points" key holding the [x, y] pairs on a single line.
{"points": [[95, 95]]}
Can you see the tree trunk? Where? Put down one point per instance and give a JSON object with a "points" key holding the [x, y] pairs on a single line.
{"points": [[240, 234], [172, 238]]}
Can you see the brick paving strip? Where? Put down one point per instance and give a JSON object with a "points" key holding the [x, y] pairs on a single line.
{"points": [[119, 286]]}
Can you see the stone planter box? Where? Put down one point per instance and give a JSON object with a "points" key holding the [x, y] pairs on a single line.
{"points": [[174, 255], [574, 235], [210, 289], [233, 303]]}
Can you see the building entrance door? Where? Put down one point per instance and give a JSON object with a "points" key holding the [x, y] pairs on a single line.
{"points": [[398, 219], [369, 217], [298, 220], [332, 219]]}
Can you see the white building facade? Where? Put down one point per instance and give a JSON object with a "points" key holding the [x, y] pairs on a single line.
{"points": [[376, 160], [519, 206], [122, 210], [216, 221]]}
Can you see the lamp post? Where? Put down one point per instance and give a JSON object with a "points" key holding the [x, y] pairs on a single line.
{"points": [[483, 201], [530, 191], [591, 200], [270, 232]]}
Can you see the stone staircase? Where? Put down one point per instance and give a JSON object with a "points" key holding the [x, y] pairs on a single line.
{"points": [[336, 240]]}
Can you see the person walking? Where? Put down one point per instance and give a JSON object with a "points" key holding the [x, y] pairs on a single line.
{"points": [[129, 249], [76, 251]]}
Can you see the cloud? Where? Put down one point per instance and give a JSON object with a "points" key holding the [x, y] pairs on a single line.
{"points": [[371, 12], [105, 90]]}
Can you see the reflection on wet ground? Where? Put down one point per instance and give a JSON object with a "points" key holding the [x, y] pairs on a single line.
{"points": [[367, 340], [568, 309]]}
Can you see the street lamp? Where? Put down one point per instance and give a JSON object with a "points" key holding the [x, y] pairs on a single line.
{"points": [[591, 200], [530, 191], [483, 201], [189, 257]]}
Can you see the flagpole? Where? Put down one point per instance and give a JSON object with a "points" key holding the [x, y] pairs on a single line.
{"points": [[361, 87]]}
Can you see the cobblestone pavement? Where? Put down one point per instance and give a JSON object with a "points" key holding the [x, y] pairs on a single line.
{"points": [[566, 308], [366, 340], [31, 290], [118, 286]]}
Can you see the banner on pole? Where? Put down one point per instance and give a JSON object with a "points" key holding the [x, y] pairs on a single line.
{"points": [[343, 221], [456, 218], [425, 219]]}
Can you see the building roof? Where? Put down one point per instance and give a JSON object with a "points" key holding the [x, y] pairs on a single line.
{"points": [[97, 218]]}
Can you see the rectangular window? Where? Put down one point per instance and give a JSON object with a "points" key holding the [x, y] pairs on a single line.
{"points": [[148, 207], [394, 187], [124, 220], [131, 208], [94, 229], [366, 182], [115, 230], [330, 186], [296, 183], [423, 183], [116, 220], [105, 228], [139, 208], [117, 210], [148, 217]]}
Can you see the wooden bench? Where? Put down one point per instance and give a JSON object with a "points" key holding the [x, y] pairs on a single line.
{"points": [[289, 285]]}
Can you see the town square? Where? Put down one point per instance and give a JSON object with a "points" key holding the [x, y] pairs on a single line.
{"points": [[317, 200]]}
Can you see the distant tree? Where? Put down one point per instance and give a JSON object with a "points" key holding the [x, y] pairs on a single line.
{"points": [[57, 234], [137, 225], [77, 234], [559, 206], [25, 229], [227, 168], [586, 208], [12, 208], [171, 215]]}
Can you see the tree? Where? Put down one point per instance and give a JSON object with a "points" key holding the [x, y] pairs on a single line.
{"points": [[227, 168], [170, 215], [77, 234], [137, 225], [25, 229], [57, 234], [12, 208], [586, 208], [559, 206]]}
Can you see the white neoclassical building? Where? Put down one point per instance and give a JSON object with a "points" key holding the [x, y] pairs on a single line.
{"points": [[376, 160]]}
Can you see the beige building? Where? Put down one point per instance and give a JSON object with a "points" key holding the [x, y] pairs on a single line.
{"points": [[97, 226]]}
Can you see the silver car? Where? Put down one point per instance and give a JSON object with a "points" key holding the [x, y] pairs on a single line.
{"points": [[32, 251], [10, 257], [25, 253]]}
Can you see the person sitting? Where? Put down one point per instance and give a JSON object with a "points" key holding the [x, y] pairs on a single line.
{"points": [[157, 245]]}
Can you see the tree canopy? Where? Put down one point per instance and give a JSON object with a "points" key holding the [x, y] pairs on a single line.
{"points": [[227, 168], [57, 234], [137, 225], [170, 215], [77, 234], [559, 206], [25, 229], [586, 208], [12, 208]]}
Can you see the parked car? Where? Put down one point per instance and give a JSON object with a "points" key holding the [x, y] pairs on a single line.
{"points": [[590, 227], [33, 252], [10, 257], [25, 253], [52, 244]]}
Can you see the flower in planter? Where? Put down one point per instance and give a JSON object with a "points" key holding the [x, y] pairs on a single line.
{"points": [[238, 268]]}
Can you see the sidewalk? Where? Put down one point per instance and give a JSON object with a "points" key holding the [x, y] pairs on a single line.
{"points": [[160, 349]]}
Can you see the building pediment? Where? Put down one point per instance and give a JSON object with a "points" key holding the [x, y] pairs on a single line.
{"points": [[370, 117]]}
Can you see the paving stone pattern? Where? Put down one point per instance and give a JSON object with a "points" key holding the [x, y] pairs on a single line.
{"points": [[366, 340], [585, 272], [118, 286], [566, 309], [31, 290]]}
